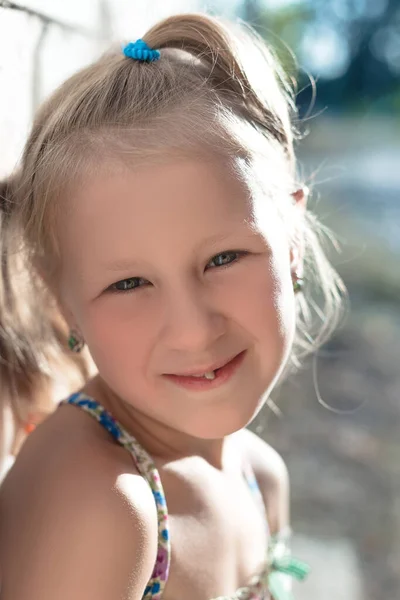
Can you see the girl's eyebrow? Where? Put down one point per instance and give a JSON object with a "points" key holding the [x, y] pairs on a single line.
{"points": [[124, 264], [214, 239], [121, 264], [231, 236]]}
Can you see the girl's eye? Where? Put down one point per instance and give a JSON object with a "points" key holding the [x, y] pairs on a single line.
{"points": [[219, 260], [225, 258], [126, 285]]}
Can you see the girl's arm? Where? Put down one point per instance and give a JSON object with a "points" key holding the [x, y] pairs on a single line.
{"points": [[85, 532]]}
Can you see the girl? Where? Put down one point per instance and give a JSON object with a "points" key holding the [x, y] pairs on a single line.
{"points": [[158, 201]]}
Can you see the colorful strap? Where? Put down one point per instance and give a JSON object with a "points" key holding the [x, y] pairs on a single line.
{"points": [[283, 567], [255, 490], [149, 471]]}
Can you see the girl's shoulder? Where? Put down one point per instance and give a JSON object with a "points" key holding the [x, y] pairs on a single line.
{"points": [[272, 477], [67, 444], [75, 497]]}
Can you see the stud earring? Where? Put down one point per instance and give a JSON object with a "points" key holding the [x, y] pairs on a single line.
{"points": [[298, 284], [29, 427], [75, 341]]}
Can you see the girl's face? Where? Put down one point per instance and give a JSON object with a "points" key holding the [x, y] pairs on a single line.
{"points": [[166, 271]]}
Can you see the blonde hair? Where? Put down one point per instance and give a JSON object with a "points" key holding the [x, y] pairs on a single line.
{"points": [[31, 332], [218, 90]]}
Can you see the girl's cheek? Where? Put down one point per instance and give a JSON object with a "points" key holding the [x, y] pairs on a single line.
{"points": [[118, 329]]}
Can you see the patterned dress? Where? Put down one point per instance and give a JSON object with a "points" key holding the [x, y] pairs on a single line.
{"points": [[279, 565]]}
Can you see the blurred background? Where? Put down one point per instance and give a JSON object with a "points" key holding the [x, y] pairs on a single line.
{"points": [[343, 458]]}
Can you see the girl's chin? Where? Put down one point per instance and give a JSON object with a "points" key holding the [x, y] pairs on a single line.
{"points": [[221, 424]]}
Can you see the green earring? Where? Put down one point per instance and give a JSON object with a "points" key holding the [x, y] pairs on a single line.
{"points": [[75, 342], [298, 284]]}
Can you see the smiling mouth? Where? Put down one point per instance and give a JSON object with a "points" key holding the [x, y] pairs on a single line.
{"points": [[208, 379], [207, 372]]}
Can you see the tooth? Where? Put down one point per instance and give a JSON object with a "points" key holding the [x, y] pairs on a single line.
{"points": [[210, 375]]}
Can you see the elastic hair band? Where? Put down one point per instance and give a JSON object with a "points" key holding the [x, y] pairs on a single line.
{"points": [[140, 51]]}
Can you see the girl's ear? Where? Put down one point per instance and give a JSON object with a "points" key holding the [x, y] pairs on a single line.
{"points": [[300, 198], [55, 293], [65, 313]]}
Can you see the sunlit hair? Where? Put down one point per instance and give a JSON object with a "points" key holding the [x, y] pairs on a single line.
{"points": [[32, 332], [216, 92]]}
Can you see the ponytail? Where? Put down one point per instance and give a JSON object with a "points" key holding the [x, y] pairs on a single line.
{"points": [[240, 65]]}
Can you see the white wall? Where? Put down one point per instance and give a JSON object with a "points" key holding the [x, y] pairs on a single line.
{"points": [[35, 57]]}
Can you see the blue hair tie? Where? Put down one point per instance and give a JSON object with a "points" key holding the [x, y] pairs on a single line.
{"points": [[139, 50]]}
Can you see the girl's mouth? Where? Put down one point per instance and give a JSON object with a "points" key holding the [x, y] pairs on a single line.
{"points": [[210, 379]]}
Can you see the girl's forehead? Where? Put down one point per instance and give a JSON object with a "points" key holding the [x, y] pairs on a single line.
{"points": [[176, 189]]}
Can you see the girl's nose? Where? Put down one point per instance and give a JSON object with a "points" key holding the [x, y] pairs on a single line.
{"points": [[193, 323]]}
